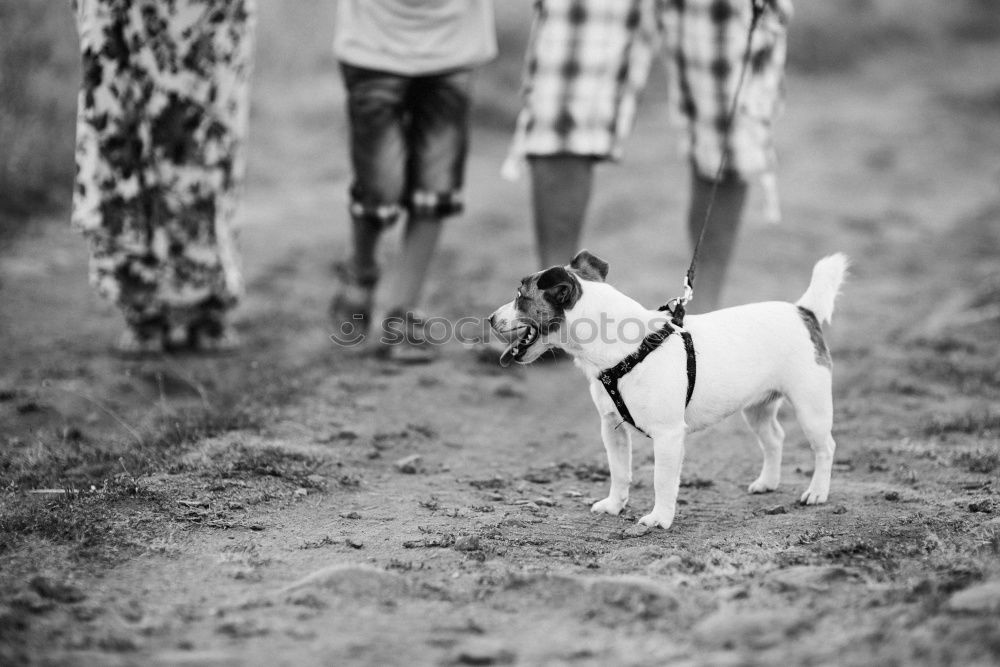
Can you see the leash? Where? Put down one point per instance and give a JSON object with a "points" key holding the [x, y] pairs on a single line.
{"points": [[609, 377], [677, 306]]}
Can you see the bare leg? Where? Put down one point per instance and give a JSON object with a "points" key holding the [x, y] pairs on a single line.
{"points": [[560, 190], [351, 305], [365, 238], [668, 453], [763, 421], [406, 282], [618, 445], [720, 235]]}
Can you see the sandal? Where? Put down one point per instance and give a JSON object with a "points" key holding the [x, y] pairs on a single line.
{"points": [[136, 342], [213, 336], [403, 339], [351, 306]]}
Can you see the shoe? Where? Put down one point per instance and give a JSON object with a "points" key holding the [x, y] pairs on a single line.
{"points": [[351, 306], [216, 337], [403, 340], [135, 342]]}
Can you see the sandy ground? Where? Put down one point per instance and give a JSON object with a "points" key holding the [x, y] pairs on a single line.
{"points": [[250, 509]]}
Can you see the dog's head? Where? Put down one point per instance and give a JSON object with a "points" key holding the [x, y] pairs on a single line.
{"points": [[531, 322]]}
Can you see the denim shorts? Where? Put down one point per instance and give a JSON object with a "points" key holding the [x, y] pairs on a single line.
{"points": [[409, 139]]}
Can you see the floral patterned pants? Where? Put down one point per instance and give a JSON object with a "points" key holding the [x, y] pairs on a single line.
{"points": [[161, 123]]}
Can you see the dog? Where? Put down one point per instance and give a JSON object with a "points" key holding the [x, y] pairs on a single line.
{"points": [[747, 358]]}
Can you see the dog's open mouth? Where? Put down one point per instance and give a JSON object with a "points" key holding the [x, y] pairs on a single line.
{"points": [[526, 336]]}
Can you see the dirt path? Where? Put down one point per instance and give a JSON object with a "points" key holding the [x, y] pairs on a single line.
{"points": [[252, 510]]}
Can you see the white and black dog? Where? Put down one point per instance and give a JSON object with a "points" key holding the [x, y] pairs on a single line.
{"points": [[745, 358]]}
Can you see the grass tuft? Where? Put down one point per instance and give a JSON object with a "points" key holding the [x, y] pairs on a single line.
{"points": [[979, 461], [982, 423], [103, 522]]}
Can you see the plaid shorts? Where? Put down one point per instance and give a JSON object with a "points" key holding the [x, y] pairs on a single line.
{"points": [[588, 60]]}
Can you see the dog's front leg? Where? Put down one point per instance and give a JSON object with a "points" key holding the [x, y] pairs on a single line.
{"points": [[668, 454], [618, 445]]}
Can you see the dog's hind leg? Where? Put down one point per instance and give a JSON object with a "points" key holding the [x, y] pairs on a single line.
{"points": [[762, 418], [618, 445], [815, 415]]}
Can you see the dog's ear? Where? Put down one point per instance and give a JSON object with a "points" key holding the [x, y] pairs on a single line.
{"points": [[590, 266], [559, 286]]}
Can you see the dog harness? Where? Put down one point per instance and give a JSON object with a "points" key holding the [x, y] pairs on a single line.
{"points": [[610, 376]]}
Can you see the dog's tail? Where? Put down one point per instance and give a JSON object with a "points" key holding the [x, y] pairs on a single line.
{"points": [[827, 277]]}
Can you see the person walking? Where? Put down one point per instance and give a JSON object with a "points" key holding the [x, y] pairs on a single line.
{"points": [[588, 60], [161, 127], [407, 66]]}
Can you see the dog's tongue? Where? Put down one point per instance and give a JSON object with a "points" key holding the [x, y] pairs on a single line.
{"points": [[513, 351], [510, 353]]}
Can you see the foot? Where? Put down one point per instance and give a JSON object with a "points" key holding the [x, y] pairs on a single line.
{"points": [[215, 340], [402, 339], [609, 505], [814, 496], [761, 485], [136, 343], [351, 306], [177, 338], [658, 519]]}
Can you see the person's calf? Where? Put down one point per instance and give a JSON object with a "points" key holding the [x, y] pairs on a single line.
{"points": [[560, 189], [406, 283], [365, 235], [719, 208]]}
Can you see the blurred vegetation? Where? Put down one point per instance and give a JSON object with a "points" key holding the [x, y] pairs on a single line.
{"points": [[39, 69], [39, 66]]}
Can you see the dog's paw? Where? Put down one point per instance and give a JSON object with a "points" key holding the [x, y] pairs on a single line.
{"points": [[761, 486], [811, 497], [657, 519], [608, 506]]}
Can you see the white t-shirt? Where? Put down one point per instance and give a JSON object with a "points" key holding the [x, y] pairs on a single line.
{"points": [[415, 37]]}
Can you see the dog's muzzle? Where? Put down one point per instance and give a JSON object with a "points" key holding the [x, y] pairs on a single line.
{"points": [[519, 335]]}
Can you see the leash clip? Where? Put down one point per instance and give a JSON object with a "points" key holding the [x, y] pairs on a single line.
{"points": [[688, 292], [677, 306]]}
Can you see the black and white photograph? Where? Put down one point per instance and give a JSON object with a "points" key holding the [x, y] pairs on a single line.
{"points": [[500, 332]]}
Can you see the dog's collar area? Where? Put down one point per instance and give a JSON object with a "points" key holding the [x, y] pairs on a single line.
{"points": [[610, 376], [676, 307]]}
